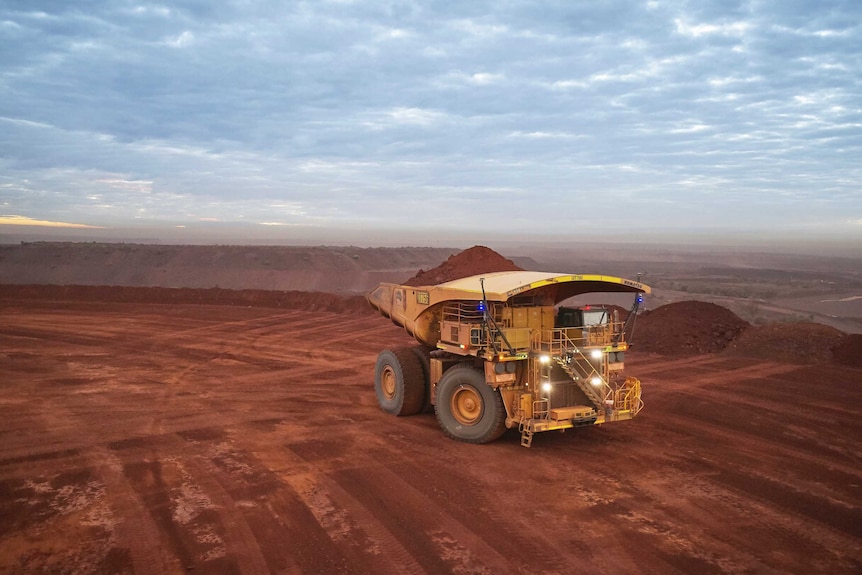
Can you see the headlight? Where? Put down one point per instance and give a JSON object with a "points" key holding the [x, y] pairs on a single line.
{"points": [[596, 381]]}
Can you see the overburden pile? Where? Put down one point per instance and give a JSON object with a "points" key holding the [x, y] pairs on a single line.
{"points": [[694, 328], [470, 262], [801, 342], [687, 328]]}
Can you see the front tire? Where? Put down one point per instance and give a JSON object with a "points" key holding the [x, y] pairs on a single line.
{"points": [[399, 381], [467, 408]]}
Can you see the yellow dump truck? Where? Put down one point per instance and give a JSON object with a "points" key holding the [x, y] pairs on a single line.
{"points": [[498, 351]]}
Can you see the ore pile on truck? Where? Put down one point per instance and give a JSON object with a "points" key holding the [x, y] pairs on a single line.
{"points": [[498, 351]]}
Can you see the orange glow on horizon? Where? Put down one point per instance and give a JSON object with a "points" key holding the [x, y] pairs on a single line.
{"points": [[25, 221]]}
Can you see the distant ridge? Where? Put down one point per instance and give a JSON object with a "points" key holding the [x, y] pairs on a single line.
{"points": [[332, 269]]}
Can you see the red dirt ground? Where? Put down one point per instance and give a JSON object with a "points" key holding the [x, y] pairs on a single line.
{"points": [[310, 301], [472, 261], [177, 438]]}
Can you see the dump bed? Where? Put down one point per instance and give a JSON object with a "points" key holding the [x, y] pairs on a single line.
{"points": [[419, 308]]}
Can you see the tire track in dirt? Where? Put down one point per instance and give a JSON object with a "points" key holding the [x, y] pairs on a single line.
{"points": [[819, 528], [733, 468], [213, 471], [286, 347], [700, 381], [512, 540], [346, 520], [433, 539], [317, 521], [639, 365], [749, 412], [191, 500], [290, 463], [130, 525], [758, 448], [469, 515], [728, 552], [342, 511]]}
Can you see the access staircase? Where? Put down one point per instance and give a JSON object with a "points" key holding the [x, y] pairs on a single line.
{"points": [[565, 352], [582, 372]]}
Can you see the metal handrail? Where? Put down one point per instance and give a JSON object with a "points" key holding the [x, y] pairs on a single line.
{"points": [[462, 312], [628, 398]]}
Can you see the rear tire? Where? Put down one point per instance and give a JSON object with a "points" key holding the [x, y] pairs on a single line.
{"points": [[467, 408], [399, 381], [424, 355]]}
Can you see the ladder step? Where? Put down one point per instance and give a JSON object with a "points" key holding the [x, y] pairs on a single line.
{"points": [[584, 386]]}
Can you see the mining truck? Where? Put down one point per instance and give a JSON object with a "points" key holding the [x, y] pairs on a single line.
{"points": [[498, 351]]}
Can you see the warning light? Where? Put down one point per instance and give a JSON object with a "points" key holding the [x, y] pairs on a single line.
{"points": [[481, 306]]}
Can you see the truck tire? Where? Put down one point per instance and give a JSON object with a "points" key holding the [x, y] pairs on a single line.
{"points": [[399, 381], [467, 408], [424, 355]]}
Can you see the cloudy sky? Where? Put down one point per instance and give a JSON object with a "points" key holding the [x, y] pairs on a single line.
{"points": [[546, 117]]}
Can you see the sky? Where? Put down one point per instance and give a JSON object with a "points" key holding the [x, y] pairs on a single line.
{"points": [[529, 118]]}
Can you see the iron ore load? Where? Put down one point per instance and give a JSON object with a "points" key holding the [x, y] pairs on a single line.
{"points": [[498, 351]]}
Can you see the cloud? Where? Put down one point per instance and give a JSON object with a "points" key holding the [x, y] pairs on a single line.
{"points": [[185, 38], [722, 29], [344, 113]]}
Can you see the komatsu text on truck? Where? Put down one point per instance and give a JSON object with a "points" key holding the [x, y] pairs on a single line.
{"points": [[498, 351]]}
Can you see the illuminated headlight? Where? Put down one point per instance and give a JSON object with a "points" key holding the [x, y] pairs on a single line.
{"points": [[546, 387], [596, 381], [544, 359], [596, 354]]}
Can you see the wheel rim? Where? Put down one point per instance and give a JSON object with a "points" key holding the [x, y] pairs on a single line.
{"points": [[466, 405], [387, 383]]}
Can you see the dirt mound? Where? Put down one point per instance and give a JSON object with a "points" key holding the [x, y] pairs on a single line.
{"points": [[470, 262], [789, 342], [687, 328], [849, 351], [310, 301]]}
